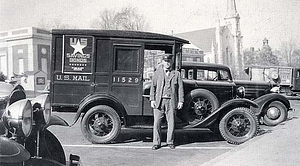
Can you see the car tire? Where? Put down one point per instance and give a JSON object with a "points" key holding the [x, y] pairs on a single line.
{"points": [[101, 124], [280, 111], [199, 104], [238, 125]]}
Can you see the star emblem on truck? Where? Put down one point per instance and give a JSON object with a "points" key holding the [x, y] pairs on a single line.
{"points": [[78, 47]]}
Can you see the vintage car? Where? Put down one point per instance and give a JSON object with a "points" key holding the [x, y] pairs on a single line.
{"points": [[216, 85], [24, 138], [104, 75]]}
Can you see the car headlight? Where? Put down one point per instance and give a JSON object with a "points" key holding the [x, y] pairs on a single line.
{"points": [[241, 92], [18, 117], [42, 108], [275, 89]]}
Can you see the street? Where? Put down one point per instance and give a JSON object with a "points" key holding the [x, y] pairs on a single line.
{"points": [[133, 147]]}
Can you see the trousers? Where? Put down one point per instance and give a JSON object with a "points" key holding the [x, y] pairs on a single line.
{"points": [[164, 109]]}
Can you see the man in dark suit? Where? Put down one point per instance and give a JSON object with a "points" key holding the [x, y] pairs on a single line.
{"points": [[166, 95]]}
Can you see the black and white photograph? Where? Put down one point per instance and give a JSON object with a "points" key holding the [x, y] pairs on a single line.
{"points": [[149, 82]]}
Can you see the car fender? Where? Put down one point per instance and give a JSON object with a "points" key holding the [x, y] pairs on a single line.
{"points": [[262, 101], [56, 120], [224, 108], [97, 99], [12, 152]]}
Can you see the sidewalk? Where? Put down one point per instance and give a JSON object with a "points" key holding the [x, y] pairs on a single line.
{"points": [[279, 146]]}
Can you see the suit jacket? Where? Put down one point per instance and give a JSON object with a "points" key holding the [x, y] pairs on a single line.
{"points": [[158, 84]]}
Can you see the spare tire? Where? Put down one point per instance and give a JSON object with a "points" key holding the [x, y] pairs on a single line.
{"points": [[198, 105]]}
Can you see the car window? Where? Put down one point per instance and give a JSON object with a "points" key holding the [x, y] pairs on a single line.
{"points": [[200, 74], [190, 74], [183, 73], [206, 75], [224, 75], [212, 75]]}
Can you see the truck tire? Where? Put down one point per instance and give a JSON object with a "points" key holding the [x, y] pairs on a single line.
{"points": [[199, 104], [275, 113], [101, 124], [238, 125]]}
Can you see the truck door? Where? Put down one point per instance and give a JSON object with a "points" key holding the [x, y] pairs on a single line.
{"points": [[126, 78], [296, 78]]}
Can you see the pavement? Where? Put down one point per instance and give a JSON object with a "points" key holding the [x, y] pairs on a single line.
{"points": [[274, 146]]}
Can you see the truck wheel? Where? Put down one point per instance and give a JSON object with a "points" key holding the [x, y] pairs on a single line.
{"points": [[275, 113], [101, 124], [238, 125], [199, 104]]}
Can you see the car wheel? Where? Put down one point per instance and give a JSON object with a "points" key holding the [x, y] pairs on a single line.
{"points": [[275, 113], [101, 124], [199, 104], [238, 125]]}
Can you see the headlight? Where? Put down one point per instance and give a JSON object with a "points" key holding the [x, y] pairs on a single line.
{"points": [[18, 117], [275, 89], [42, 108], [241, 92]]}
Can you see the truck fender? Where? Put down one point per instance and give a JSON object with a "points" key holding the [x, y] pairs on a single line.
{"points": [[267, 98], [234, 103], [95, 99]]}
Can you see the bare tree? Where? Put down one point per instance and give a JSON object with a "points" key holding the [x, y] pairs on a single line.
{"points": [[128, 18], [105, 21], [286, 51], [55, 24]]}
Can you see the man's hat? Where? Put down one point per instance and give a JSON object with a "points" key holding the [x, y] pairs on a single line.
{"points": [[167, 57]]}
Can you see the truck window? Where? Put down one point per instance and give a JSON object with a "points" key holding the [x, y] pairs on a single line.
{"points": [[126, 59]]}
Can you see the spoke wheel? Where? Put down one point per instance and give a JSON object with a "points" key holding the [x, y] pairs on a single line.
{"points": [[200, 107], [238, 125], [200, 103], [101, 124], [275, 113]]}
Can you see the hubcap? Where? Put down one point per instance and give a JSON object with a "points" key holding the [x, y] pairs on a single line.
{"points": [[273, 113], [201, 107], [238, 125], [100, 124]]}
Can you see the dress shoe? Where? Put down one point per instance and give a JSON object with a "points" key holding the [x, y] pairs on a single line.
{"points": [[171, 146], [155, 147]]}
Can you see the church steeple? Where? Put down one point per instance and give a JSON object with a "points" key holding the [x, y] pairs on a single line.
{"points": [[231, 9]]}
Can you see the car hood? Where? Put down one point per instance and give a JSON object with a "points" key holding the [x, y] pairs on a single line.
{"points": [[254, 89]]}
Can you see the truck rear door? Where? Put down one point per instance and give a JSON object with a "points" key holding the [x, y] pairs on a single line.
{"points": [[72, 78]]}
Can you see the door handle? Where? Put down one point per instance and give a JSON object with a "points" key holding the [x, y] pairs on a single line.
{"points": [[93, 84]]}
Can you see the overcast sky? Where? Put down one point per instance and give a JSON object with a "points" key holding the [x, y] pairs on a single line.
{"points": [[277, 20]]}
